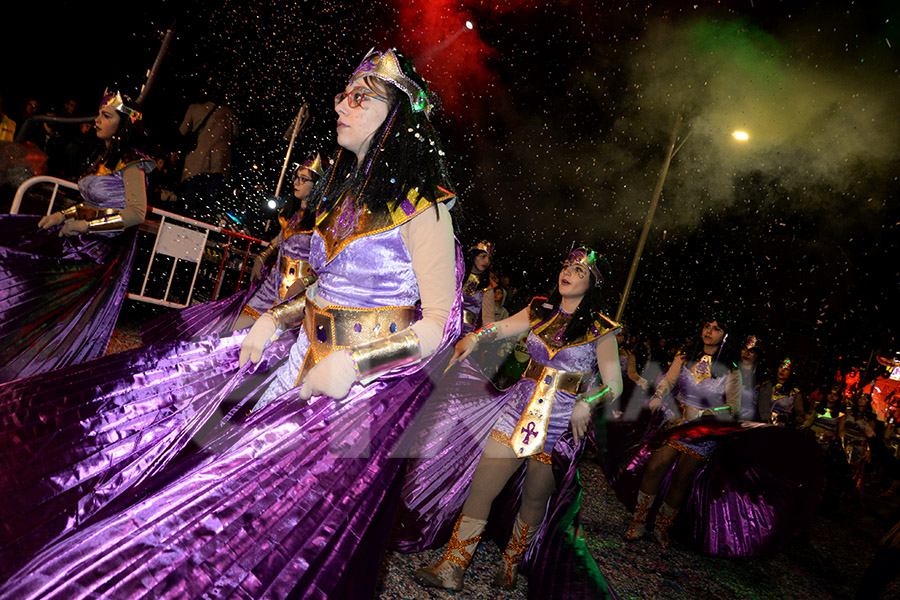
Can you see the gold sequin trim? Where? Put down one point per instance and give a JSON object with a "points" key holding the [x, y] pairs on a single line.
{"points": [[250, 312], [685, 450]]}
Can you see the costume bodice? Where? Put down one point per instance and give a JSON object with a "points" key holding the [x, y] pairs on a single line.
{"points": [[697, 388], [828, 420], [783, 399], [547, 346], [105, 189]]}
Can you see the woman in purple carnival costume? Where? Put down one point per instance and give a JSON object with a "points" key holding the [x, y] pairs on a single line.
{"points": [[703, 458], [63, 276], [288, 278], [569, 339], [478, 295], [297, 498]]}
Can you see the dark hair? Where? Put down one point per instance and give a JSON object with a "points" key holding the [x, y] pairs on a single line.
{"points": [[823, 404], [484, 278], [729, 350], [292, 204], [584, 316], [129, 136], [789, 382], [405, 152]]}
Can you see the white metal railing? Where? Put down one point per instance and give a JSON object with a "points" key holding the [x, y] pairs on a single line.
{"points": [[183, 243], [176, 241], [20, 193]]}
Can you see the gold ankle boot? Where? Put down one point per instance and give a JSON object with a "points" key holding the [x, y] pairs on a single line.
{"points": [[639, 524], [664, 519], [448, 572], [508, 570]]}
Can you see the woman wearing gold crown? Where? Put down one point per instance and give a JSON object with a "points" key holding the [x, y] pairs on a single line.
{"points": [[63, 278], [570, 341], [288, 278], [296, 499], [478, 296], [726, 481]]}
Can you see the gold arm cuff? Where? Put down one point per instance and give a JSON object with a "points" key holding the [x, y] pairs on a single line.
{"points": [[106, 224], [379, 356], [289, 315], [71, 212], [268, 251]]}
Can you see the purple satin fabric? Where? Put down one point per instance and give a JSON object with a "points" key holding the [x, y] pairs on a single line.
{"points": [[103, 191], [78, 438], [213, 317], [59, 297], [295, 247], [759, 489], [375, 273], [285, 502]]}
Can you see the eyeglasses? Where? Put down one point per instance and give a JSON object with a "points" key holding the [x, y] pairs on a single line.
{"points": [[302, 178], [355, 97]]}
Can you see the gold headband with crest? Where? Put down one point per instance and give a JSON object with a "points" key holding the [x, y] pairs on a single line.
{"points": [[386, 66], [115, 101], [484, 246], [587, 258]]}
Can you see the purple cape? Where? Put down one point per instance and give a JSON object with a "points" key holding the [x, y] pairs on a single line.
{"points": [[59, 297]]}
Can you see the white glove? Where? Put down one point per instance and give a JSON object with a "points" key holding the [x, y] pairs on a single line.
{"points": [[260, 335], [71, 228], [333, 376], [51, 220]]}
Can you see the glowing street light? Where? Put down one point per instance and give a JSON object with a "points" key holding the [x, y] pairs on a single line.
{"points": [[740, 136], [470, 25]]}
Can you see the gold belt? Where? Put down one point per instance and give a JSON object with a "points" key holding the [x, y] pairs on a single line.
{"points": [[469, 318], [689, 413], [571, 382], [337, 327], [292, 269]]}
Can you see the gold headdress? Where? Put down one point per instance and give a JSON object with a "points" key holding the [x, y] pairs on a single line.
{"points": [[587, 258], [114, 100], [314, 163], [386, 66]]}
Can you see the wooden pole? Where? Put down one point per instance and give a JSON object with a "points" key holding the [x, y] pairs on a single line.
{"points": [[654, 201]]}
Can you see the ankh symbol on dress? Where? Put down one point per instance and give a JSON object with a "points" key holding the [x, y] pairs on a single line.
{"points": [[529, 431]]}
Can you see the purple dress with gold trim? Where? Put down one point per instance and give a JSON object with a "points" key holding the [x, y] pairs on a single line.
{"points": [[292, 264], [295, 499], [451, 434], [473, 296], [746, 500], [60, 297]]}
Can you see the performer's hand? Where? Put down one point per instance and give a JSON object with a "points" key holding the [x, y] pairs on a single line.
{"points": [[464, 348], [333, 376], [51, 220], [256, 272], [655, 403], [73, 227], [581, 420], [643, 383], [260, 335]]}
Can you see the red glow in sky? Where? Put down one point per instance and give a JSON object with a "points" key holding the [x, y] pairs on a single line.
{"points": [[455, 60]]}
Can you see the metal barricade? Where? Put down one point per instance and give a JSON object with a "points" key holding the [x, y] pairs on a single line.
{"points": [[178, 237]]}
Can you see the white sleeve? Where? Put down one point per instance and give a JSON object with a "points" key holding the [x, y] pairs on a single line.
{"points": [[429, 241]]}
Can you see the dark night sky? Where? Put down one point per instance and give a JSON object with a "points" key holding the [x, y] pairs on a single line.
{"points": [[557, 117]]}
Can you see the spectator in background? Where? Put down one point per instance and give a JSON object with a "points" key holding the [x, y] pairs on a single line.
{"points": [[7, 125], [210, 127]]}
